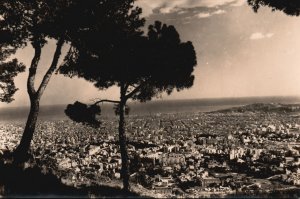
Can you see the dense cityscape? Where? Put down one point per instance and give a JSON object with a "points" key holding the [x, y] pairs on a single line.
{"points": [[182, 155], [149, 99]]}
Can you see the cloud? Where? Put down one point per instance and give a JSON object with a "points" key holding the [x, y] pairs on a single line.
{"points": [[181, 12], [167, 10], [259, 35], [203, 15], [238, 3], [169, 6], [207, 14], [218, 12]]}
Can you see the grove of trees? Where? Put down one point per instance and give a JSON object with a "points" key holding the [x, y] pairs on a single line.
{"points": [[66, 21], [107, 47]]}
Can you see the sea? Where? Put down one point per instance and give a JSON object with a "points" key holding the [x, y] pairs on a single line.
{"points": [[56, 112]]}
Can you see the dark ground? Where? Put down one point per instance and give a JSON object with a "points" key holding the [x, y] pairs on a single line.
{"points": [[19, 182]]}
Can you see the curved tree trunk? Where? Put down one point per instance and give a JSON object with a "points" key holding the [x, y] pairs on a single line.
{"points": [[21, 152], [123, 144]]}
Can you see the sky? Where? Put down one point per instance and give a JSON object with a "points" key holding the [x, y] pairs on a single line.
{"points": [[240, 53]]}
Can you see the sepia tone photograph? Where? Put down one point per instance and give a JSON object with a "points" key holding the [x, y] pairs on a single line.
{"points": [[149, 99]]}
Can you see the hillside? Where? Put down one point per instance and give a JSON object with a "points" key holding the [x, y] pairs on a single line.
{"points": [[264, 107]]}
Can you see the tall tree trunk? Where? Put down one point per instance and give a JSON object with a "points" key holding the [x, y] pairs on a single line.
{"points": [[21, 152], [123, 144]]}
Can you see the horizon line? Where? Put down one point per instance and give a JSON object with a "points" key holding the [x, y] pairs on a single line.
{"points": [[189, 99]]}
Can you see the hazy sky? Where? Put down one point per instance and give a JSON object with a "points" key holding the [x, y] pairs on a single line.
{"points": [[240, 53]]}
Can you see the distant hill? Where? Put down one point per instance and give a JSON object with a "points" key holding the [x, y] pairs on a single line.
{"points": [[56, 112], [264, 107]]}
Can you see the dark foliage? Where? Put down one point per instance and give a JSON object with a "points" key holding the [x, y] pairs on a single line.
{"points": [[289, 7], [135, 163], [80, 112], [140, 145], [147, 65], [17, 182], [9, 70], [24, 22], [37, 20]]}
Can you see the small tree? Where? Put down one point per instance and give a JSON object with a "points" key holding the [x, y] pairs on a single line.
{"points": [[67, 22], [142, 67], [83, 113]]}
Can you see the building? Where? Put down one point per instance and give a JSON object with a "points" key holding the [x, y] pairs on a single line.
{"points": [[171, 159], [207, 181]]}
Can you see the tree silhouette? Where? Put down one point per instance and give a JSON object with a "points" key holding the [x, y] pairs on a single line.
{"points": [[142, 67], [67, 21], [8, 70], [82, 113], [289, 7]]}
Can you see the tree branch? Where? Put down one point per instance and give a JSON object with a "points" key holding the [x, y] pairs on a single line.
{"points": [[69, 54], [130, 88], [126, 86], [32, 70], [109, 101], [52, 68], [135, 90]]}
